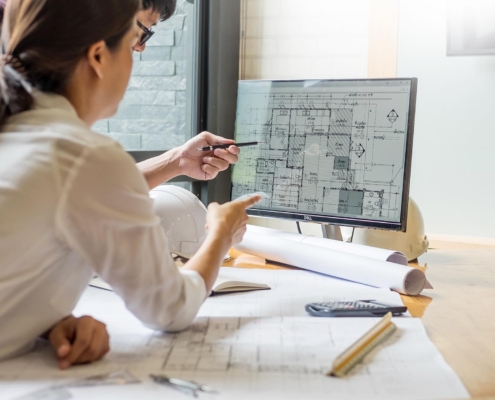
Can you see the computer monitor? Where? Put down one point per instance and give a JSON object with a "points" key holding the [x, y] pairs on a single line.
{"points": [[334, 151]]}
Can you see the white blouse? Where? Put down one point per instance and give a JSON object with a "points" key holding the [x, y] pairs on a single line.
{"points": [[72, 203]]}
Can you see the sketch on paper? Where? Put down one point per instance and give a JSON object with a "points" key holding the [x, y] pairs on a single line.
{"points": [[243, 357]]}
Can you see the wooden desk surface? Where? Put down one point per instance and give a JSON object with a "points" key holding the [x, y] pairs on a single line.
{"points": [[459, 313]]}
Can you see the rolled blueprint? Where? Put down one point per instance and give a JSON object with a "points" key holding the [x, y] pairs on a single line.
{"points": [[351, 248], [335, 263]]}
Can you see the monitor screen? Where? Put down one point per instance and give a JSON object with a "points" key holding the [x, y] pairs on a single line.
{"points": [[332, 151]]}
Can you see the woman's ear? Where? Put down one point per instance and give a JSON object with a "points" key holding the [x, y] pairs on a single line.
{"points": [[96, 57]]}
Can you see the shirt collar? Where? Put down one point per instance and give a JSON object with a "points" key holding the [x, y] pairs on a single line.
{"points": [[43, 100], [52, 101]]}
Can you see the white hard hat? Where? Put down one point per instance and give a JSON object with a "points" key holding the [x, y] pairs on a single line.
{"points": [[182, 216], [412, 243]]}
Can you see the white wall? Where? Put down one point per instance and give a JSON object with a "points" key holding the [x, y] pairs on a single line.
{"points": [[454, 149], [294, 39], [290, 39]]}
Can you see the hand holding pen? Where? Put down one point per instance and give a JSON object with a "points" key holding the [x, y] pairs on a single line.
{"points": [[205, 165], [206, 155]]}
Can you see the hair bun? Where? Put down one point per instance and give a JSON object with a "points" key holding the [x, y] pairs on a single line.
{"points": [[15, 90]]}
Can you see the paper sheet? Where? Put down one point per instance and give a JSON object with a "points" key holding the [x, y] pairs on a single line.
{"points": [[290, 292], [355, 268], [350, 248], [245, 358]]}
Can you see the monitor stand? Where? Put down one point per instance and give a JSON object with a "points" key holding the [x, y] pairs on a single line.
{"points": [[331, 232]]}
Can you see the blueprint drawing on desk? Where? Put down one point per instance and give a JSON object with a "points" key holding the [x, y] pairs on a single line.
{"points": [[247, 356], [326, 150]]}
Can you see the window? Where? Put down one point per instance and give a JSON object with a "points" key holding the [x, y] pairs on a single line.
{"points": [[185, 82], [152, 115]]}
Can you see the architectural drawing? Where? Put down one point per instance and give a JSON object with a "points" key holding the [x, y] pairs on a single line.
{"points": [[253, 345], [242, 357], [336, 153]]}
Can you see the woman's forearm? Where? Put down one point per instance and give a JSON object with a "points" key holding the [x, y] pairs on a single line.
{"points": [[209, 257], [160, 169]]}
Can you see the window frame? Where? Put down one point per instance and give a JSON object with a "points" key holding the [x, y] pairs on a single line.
{"points": [[213, 95]]}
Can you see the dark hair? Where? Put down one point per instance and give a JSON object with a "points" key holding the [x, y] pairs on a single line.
{"points": [[44, 40], [166, 8], [3, 4]]}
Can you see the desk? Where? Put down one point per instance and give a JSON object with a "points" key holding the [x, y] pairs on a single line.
{"points": [[459, 314]]}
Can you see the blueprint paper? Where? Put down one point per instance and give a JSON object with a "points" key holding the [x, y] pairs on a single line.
{"points": [[351, 248], [245, 358], [289, 294], [48, 394], [355, 268]]}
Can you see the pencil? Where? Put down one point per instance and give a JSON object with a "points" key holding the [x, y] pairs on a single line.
{"points": [[356, 352], [226, 146]]}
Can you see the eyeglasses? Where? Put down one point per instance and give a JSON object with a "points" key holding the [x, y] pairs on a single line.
{"points": [[146, 35]]}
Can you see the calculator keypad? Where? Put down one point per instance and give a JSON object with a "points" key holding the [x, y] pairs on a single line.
{"points": [[349, 305]]}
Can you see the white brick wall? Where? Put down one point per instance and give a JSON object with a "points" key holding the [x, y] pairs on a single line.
{"points": [[291, 39], [295, 39], [152, 114]]}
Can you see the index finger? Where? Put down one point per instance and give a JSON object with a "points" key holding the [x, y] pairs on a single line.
{"points": [[249, 200], [214, 139]]}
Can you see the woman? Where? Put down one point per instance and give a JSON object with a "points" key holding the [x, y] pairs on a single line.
{"points": [[72, 202]]}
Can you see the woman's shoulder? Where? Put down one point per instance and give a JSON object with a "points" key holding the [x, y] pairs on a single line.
{"points": [[57, 137], [59, 127]]}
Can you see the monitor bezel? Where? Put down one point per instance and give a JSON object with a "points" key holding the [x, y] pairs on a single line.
{"points": [[348, 221]]}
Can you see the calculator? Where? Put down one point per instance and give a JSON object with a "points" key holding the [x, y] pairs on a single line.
{"points": [[360, 308]]}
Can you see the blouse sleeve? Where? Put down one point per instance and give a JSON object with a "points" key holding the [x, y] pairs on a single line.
{"points": [[106, 215]]}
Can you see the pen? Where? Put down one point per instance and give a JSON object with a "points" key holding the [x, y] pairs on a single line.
{"points": [[226, 146]]}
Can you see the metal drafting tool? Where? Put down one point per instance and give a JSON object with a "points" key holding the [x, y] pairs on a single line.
{"points": [[188, 387]]}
